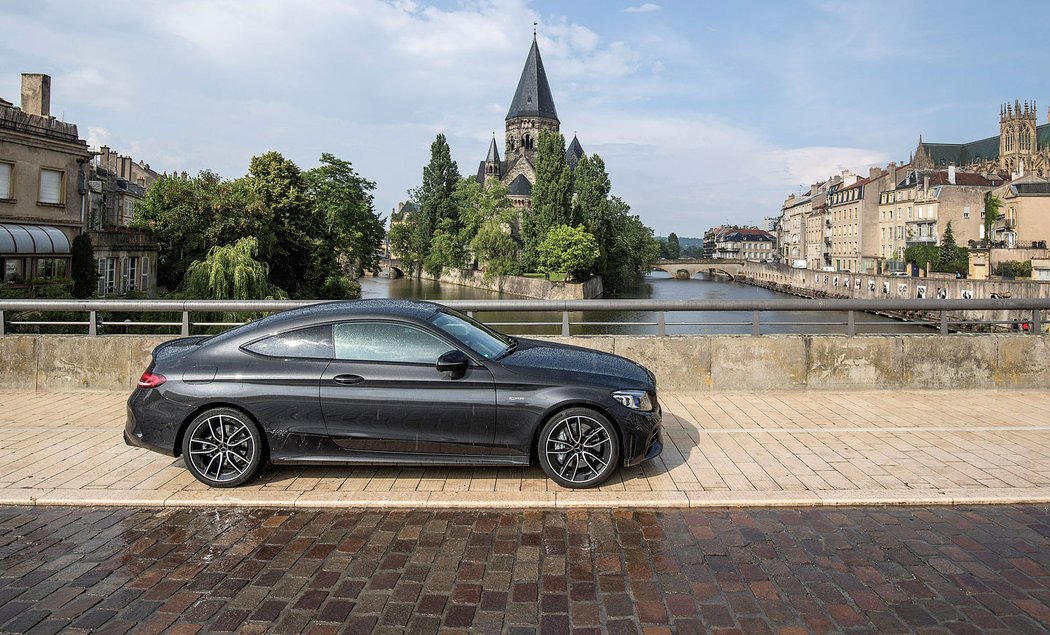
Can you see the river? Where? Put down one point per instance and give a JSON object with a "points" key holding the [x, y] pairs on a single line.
{"points": [[657, 286]]}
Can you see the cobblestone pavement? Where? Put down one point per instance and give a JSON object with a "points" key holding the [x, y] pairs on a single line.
{"points": [[799, 448], [891, 569]]}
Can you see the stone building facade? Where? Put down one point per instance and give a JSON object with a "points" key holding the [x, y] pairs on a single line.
{"points": [[43, 172], [126, 257]]}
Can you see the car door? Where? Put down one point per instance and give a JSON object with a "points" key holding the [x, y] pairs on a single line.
{"points": [[382, 393]]}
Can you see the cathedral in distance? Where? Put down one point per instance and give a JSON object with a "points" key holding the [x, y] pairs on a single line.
{"points": [[531, 111]]}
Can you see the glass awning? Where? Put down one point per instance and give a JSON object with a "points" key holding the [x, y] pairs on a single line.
{"points": [[32, 240]]}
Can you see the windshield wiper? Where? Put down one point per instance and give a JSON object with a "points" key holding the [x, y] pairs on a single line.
{"points": [[510, 348]]}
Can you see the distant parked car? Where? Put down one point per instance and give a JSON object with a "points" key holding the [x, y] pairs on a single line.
{"points": [[391, 382]]}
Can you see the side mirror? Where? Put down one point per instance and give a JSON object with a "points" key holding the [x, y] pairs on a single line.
{"points": [[455, 361]]}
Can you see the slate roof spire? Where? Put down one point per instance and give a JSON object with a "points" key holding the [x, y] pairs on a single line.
{"points": [[574, 152], [533, 96], [493, 156]]}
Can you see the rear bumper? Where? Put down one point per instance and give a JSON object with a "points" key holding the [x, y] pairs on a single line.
{"points": [[152, 422]]}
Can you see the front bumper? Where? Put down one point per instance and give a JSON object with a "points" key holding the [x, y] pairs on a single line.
{"points": [[642, 435]]}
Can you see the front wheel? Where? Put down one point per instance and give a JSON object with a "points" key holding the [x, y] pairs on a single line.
{"points": [[579, 448], [222, 448]]}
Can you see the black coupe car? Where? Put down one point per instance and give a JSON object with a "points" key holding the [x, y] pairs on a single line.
{"points": [[391, 382]]}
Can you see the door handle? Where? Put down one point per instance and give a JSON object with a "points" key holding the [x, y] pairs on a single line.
{"points": [[348, 379]]}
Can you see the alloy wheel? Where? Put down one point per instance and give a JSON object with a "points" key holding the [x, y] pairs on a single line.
{"points": [[579, 449], [222, 448]]}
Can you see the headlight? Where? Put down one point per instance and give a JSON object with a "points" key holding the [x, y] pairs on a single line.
{"points": [[633, 399]]}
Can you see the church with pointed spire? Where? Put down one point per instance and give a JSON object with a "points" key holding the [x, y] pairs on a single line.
{"points": [[531, 111], [1021, 147]]}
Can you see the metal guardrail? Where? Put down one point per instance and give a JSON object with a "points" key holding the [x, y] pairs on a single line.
{"points": [[1031, 308]]}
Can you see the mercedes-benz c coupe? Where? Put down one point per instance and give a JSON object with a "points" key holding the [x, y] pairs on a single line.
{"points": [[391, 382]]}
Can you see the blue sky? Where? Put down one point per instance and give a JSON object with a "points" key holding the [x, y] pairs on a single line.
{"points": [[705, 112]]}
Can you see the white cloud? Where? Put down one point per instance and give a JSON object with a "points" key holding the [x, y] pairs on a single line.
{"points": [[97, 136], [648, 7], [685, 174]]}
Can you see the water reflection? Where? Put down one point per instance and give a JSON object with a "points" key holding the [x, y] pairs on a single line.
{"points": [[658, 286]]}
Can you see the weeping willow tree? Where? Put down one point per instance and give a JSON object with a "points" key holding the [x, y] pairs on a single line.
{"points": [[231, 272]]}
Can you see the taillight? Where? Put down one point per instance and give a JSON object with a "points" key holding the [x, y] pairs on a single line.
{"points": [[151, 380]]}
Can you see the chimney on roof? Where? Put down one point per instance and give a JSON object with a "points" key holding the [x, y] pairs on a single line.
{"points": [[36, 94], [951, 175], [892, 168], [874, 172], [926, 183]]}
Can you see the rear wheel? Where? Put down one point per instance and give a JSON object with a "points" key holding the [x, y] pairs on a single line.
{"points": [[579, 448], [223, 448]]}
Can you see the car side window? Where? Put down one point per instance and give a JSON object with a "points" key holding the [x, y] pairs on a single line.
{"points": [[313, 342], [387, 342]]}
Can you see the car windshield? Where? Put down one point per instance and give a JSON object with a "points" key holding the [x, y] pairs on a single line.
{"points": [[475, 335]]}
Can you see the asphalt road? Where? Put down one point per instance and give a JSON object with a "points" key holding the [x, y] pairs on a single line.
{"points": [[782, 570]]}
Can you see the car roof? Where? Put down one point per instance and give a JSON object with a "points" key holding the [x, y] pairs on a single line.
{"points": [[328, 311]]}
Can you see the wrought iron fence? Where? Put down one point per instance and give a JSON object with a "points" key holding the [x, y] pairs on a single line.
{"points": [[185, 317]]}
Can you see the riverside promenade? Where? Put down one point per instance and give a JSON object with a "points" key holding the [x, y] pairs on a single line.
{"points": [[767, 513], [726, 449]]}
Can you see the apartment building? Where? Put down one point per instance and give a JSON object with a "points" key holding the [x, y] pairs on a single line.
{"points": [[1025, 213], [43, 164]]}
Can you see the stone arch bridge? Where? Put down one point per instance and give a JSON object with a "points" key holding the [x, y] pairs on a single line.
{"points": [[685, 268]]}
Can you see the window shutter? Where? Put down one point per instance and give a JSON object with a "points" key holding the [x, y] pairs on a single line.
{"points": [[50, 186], [5, 180]]}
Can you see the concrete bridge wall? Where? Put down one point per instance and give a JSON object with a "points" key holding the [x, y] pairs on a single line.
{"points": [[691, 363]]}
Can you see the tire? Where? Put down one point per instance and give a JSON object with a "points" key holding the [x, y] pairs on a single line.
{"points": [[579, 448], [223, 447]]}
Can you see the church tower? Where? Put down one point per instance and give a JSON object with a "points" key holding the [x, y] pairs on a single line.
{"points": [[531, 110], [1017, 135], [493, 165]]}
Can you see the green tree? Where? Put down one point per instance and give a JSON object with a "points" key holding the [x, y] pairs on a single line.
{"points": [[434, 198], [592, 205], [189, 215], [231, 272], [551, 196], [923, 255], [568, 249], [488, 220], [633, 248], [446, 249], [343, 207], [951, 257], [674, 248], [298, 260], [85, 270], [992, 203]]}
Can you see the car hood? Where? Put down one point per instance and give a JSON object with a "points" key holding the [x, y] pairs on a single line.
{"points": [[602, 368]]}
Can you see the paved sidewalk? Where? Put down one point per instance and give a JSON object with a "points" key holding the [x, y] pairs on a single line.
{"points": [[825, 570], [929, 447]]}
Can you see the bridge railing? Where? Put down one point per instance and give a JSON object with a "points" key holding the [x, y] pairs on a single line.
{"points": [[185, 317]]}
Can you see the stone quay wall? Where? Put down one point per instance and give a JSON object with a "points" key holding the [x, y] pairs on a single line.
{"points": [[536, 288], [863, 286], [687, 363]]}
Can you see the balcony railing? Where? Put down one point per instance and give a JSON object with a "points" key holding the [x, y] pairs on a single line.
{"points": [[944, 316]]}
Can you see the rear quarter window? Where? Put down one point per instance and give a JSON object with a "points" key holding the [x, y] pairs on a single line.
{"points": [[314, 342]]}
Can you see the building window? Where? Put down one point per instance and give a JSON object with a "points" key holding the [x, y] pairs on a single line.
{"points": [[107, 276], [966, 212], [6, 172], [12, 270], [51, 190], [50, 268]]}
